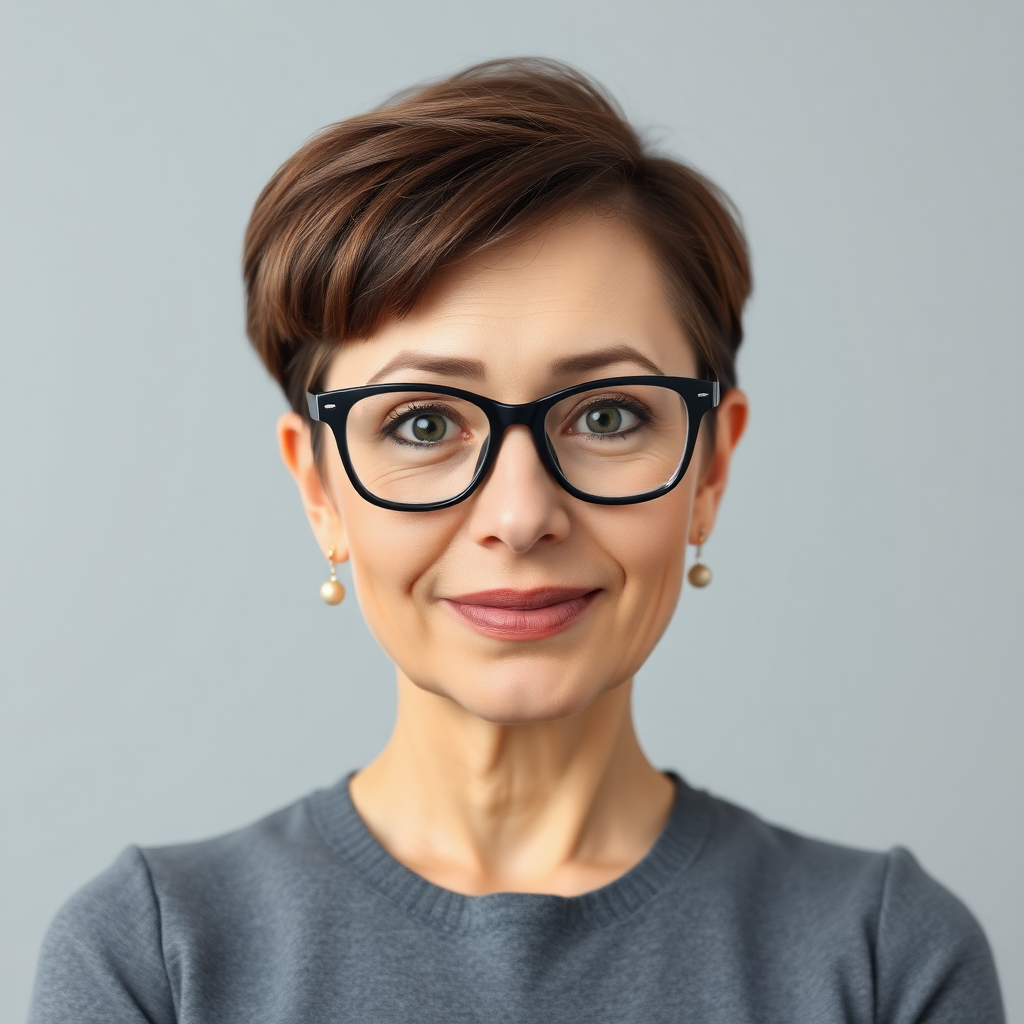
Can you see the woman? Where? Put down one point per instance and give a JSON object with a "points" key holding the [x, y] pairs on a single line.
{"points": [[507, 334]]}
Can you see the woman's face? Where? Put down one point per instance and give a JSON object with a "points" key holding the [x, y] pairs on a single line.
{"points": [[579, 300]]}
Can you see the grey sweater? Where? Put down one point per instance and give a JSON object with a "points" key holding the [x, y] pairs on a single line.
{"points": [[304, 917]]}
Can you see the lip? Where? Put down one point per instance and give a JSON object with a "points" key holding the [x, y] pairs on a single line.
{"points": [[508, 614]]}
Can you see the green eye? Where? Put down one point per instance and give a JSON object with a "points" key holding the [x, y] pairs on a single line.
{"points": [[429, 428], [424, 427], [605, 420]]}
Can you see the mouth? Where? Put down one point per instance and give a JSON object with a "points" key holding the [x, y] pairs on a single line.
{"points": [[522, 614]]}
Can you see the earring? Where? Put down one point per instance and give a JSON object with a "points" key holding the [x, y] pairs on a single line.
{"points": [[332, 592], [699, 574]]}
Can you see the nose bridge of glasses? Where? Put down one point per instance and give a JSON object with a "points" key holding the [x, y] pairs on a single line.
{"points": [[503, 416], [527, 414], [516, 415]]}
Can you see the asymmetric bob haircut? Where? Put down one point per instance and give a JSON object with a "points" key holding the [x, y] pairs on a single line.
{"points": [[350, 231]]}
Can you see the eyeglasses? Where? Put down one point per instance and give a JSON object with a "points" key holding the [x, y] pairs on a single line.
{"points": [[419, 447]]}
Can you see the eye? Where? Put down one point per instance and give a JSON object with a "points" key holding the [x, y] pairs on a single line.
{"points": [[425, 427], [606, 418]]}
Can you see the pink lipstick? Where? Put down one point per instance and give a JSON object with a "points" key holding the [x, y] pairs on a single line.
{"points": [[522, 614]]}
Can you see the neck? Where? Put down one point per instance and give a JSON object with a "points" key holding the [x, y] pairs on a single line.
{"points": [[474, 806]]}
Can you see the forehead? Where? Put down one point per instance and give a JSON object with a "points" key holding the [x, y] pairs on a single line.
{"points": [[522, 320]]}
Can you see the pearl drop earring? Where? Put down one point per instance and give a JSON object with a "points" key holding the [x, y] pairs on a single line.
{"points": [[332, 591], [699, 574]]}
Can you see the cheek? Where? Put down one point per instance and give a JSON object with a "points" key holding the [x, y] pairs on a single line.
{"points": [[648, 542], [390, 552]]}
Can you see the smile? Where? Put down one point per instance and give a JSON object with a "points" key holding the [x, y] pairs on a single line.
{"points": [[522, 614]]}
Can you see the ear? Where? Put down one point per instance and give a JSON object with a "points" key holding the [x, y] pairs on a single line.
{"points": [[731, 417], [295, 442]]}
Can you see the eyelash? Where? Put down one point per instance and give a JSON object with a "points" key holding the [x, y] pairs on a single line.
{"points": [[638, 409], [390, 427]]}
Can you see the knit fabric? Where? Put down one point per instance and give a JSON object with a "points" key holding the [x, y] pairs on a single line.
{"points": [[304, 917]]}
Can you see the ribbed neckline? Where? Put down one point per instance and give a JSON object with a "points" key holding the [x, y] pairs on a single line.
{"points": [[673, 851]]}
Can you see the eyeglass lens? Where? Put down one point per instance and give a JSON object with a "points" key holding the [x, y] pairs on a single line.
{"points": [[419, 447]]}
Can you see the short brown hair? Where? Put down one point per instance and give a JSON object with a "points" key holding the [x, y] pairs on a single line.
{"points": [[351, 229]]}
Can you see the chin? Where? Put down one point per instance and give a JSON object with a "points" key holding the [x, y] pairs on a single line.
{"points": [[516, 694]]}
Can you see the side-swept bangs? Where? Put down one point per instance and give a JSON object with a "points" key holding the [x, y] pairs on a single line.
{"points": [[350, 230]]}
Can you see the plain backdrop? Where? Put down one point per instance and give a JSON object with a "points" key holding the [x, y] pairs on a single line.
{"points": [[854, 671]]}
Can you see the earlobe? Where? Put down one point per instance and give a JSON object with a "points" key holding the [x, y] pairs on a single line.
{"points": [[295, 445]]}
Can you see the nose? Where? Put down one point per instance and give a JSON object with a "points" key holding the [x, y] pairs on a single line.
{"points": [[519, 505]]}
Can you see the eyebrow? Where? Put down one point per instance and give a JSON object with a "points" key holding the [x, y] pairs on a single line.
{"points": [[446, 366], [474, 369], [605, 357]]}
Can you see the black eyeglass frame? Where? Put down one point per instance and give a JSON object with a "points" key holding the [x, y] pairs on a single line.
{"points": [[333, 407]]}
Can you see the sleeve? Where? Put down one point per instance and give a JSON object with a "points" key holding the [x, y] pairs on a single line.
{"points": [[102, 958], [933, 963]]}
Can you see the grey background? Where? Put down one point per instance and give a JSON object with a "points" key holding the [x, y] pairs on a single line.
{"points": [[168, 671]]}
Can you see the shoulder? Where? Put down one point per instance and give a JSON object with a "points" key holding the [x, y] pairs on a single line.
{"points": [[103, 950], [119, 899], [889, 887], [111, 943], [919, 948], [281, 842], [930, 948], [220, 892], [810, 877]]}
